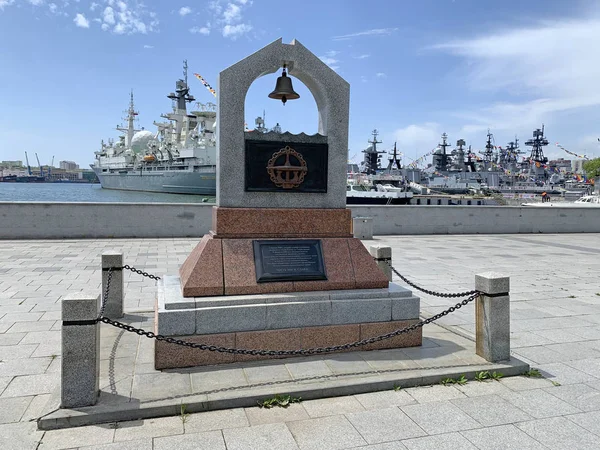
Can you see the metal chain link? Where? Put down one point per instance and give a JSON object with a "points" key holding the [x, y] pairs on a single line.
{"points": [[140, 272], [427, 291], [105, 294], [309, 351]]}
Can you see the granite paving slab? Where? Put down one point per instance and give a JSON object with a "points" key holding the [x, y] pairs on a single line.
{"points": [[545, 287], [133, 390]]}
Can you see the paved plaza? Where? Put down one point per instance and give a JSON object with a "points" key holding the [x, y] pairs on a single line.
{"points": [[555, 324]]}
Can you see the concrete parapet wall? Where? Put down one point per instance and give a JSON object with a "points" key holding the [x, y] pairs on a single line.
{"points": [[39, 220], [394, 220]]}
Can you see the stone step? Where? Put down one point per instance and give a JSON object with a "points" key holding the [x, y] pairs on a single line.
{"points": [[179, 316]]}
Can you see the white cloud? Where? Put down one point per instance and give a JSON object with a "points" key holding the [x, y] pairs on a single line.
{"points": [[53, 7], [201, 30], [81, 21], [331, 62], [235, 31], [5, 3], [227, 16], [419, 137], [184, 11], [548, 66], [232, 14], [93, 6], [373, 32], [128, 17], [363, 79], [380, 75], [108, 16], [361, 56], [148, 46], [36, 2]]}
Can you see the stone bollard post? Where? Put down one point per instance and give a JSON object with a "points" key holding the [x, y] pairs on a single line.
{"points": [[383, 258], [80, 371], [362, 227], [492, 317], [114, 302]]}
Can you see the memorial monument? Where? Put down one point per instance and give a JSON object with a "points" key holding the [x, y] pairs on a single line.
{"points": [[280, 268]]}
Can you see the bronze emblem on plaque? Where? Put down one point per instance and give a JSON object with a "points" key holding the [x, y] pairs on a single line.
{"points": [[290, 174]]}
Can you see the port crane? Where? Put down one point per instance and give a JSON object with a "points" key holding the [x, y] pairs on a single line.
{"points": [[28, 166], [40, 166]]}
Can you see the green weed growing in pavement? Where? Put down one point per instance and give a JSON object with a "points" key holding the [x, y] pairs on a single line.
{"points": [[598, 294], [283, 401], [533, 373], [482, 376], [556, 383], [183, 414], [460, 380], [571, 296], [496, 376], [397, 387]]}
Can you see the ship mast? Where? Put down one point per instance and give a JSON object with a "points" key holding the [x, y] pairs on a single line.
{"points": [[371, 160], [459, 160], [181, 96], [394, 161], [488, 153], [130, 118], [443, 160], [537, 159]]}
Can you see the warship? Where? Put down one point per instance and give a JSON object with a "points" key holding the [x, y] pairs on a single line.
{"points": [[180, 158], [495, 172]]}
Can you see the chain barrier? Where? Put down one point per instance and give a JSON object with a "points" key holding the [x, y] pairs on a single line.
{"points": [[303, 352], [105, 293], [427, 291], [140, 272]]}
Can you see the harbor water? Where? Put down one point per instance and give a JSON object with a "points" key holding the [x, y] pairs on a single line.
{"points": [[84, 192]]}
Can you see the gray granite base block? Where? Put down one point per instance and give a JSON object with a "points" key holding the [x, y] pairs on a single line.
{"points": [[493, 328], [492, 283], [172, 294], [112, 258], [80, 365], [228, 319], [298, 314], [361, 311], [114, 302], [179, 316], [380, 251], [72, 308], [406, 308], [173, 322]]}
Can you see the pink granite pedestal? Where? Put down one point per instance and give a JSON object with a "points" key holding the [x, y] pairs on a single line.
{"points": [[222, 264], [223, 261]]}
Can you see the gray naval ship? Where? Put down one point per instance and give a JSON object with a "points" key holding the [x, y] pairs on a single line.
{"points": [[180, 158]]}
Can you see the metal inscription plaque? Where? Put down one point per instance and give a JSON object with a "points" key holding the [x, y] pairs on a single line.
{"points": [[288, 260], [273, 166]]}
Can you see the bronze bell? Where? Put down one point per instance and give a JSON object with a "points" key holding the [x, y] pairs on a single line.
{"points": [[284, 90]]}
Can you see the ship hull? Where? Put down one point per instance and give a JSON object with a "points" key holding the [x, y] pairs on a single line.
{"points": [[195, 183]]}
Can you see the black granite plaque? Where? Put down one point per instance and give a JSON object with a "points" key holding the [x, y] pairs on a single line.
{"points": [[304, 169], [288, 260]]}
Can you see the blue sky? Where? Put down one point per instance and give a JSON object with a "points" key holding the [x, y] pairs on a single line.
{"points": [[416, 68]]}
